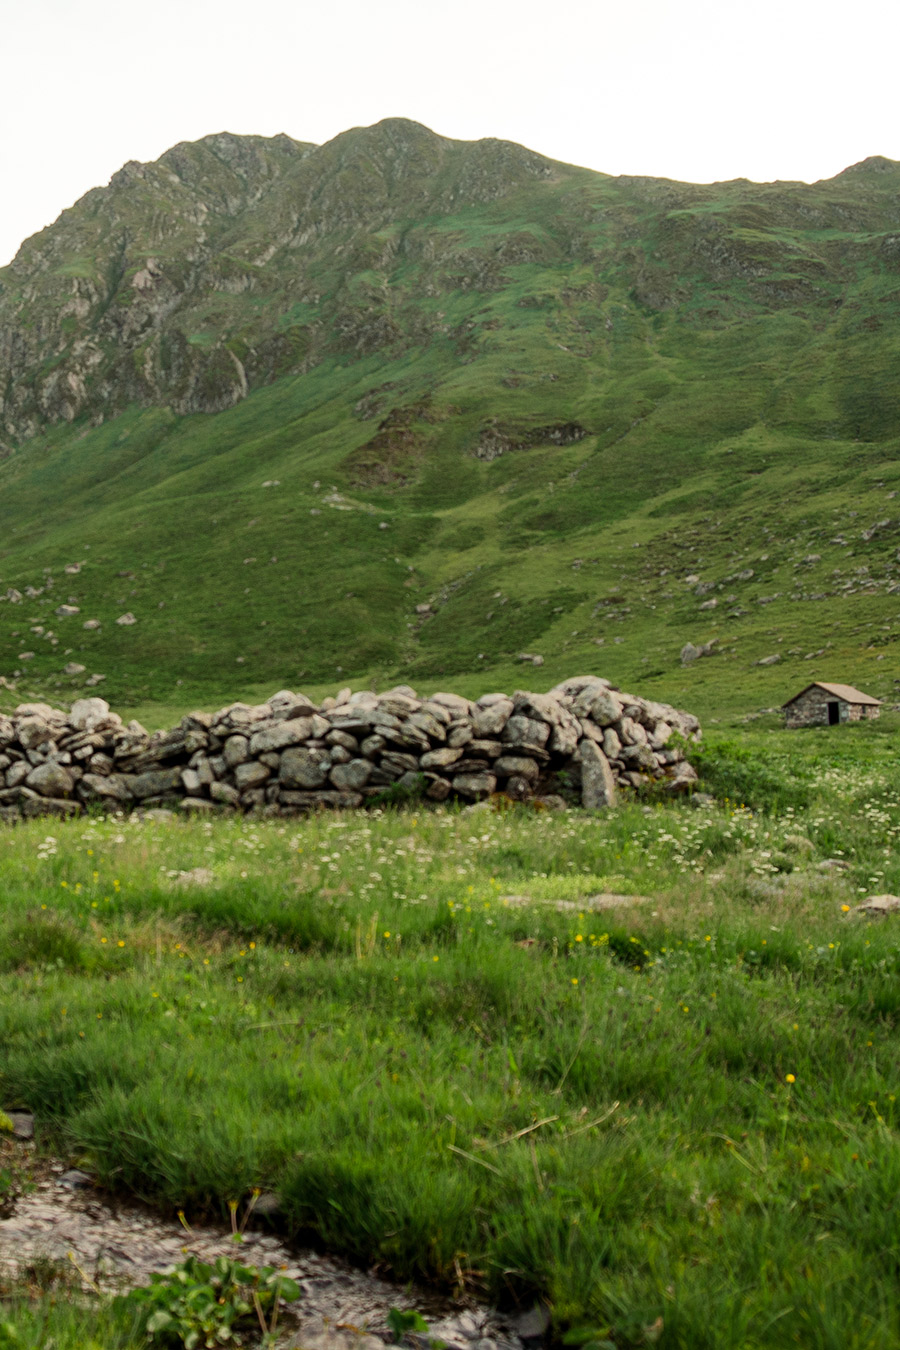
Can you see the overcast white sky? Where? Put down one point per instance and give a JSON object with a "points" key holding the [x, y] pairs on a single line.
{"points": [[698, 90]]}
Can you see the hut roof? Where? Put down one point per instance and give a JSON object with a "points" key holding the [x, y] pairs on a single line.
{"points": [[846, 692]]}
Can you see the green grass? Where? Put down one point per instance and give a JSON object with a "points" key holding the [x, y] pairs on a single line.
{"points": [[364, 1012]]}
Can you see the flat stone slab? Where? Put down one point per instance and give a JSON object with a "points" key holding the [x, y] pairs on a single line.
{"points": [[595, 903], [879, 904]]}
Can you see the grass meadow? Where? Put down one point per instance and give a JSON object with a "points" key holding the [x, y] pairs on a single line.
{"points": [[670, 1115]]}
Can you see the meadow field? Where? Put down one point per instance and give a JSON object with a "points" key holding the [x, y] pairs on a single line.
{"points": [[639, 1065]]}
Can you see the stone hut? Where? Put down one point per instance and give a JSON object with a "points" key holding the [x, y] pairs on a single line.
{"points": [[826, 705]]}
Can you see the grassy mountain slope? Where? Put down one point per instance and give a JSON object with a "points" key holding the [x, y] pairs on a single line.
{"points": [[272, 397]]}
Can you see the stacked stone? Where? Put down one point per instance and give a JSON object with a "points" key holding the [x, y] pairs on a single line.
{"points": [[289, 755]]}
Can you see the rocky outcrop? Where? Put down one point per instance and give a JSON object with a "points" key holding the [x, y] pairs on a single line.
{"points": [[584, 740]]}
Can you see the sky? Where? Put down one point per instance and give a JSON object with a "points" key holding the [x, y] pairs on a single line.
{"points": [[696, 90]]}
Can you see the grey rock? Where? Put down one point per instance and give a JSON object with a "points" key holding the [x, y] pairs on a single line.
{"points": [[191, 782], [543, 707], [304, 769], [22, 1124], [474, 786], [526, 732], [519, 765], [460, 734], [631, 732], [344, 740], [236, 751], [564, 737], [428, 724], [250, 775], [35, 731], [680, 777], [224, 793], [454, 703], [611, 743], [395, 763], [110, 787], [441, 758], [491, 718], [156, 783], [282, 734], [485, 749], [51, 780], [75, 1180], [532, 1326], [352, 776], [598, 786], [312, 801]]}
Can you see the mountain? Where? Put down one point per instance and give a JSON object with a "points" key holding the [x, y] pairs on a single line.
{"points": [[402, 405]]}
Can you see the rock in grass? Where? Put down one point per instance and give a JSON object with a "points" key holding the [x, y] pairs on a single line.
{"points": [[75, 1180], [22, 1123], [879, 904]]}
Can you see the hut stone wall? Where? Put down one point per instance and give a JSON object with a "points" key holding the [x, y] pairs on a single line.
{"points": [[810, 709]]}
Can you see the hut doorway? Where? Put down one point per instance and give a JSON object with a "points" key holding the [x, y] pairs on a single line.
{"points": [[834, 714]]}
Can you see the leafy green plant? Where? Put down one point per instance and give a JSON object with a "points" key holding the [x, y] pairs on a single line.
{"points": [[198, 1304], [402, 1320]]}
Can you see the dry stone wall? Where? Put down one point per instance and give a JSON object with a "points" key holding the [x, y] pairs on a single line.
{"points": [[584, 739]]}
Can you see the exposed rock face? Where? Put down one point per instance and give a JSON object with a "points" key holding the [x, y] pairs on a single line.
{"points": [[109, 305], [288, 756]]}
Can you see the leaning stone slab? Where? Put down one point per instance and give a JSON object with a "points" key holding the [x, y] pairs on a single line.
{"points": [[598, 786]]}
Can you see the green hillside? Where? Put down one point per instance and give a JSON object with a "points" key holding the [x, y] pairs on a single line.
{"points": [[273, 399]]}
